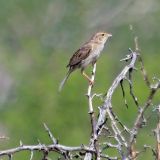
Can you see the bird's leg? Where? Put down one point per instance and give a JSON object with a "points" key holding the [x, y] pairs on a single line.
{"points": [[87, 77]]}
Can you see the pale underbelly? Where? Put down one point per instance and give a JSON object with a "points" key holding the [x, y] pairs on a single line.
{"points": [[91, 58]]}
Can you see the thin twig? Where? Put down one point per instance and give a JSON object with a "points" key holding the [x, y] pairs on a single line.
{"points": [[131, 88], [157, 133], [4, 137], [123, 93], [139, 120], [144, 72], [53, 139], [31, 156]]}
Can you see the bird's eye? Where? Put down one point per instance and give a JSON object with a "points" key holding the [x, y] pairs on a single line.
{"points": [[102, 34]]}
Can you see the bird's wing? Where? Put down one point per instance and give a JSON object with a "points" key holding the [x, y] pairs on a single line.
{"points": [[80, 55]]}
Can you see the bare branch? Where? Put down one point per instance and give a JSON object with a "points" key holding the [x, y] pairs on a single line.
{"points": [[4, 137], [123, 93], [131, 88], [139, 120], [157, 133], [107, 109], [31, 156], [93, 139], [116, 82], [39, 147], [10, 156], [144, 72], [136, 44], [107, 129]]}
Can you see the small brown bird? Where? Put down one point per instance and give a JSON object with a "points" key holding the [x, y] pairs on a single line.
{"points": [[87, 54]]}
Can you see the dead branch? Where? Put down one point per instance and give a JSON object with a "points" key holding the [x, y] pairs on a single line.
{"points": [[106, 108], [106, 124], [93, 140], [157, 133]]}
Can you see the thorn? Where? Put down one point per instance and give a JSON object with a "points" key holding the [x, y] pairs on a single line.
{"points": [[20, 142], [39, 142], [90, 112], [130, 50], [134, 68], [82, 146], [87, 95]]}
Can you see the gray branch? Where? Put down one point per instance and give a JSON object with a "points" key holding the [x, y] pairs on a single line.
{"points": [[106, 109], [107, 123]]}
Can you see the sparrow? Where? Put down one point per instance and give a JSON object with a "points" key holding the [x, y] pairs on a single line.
{"points": [[87, 54]]}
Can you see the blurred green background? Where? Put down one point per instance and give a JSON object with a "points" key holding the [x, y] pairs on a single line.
{"points": [[37, 38]]}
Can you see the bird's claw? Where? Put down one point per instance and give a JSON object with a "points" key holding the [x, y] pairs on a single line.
{"points": [[91, 82]]}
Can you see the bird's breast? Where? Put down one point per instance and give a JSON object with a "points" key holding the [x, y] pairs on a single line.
{"points": [[95, 53]]}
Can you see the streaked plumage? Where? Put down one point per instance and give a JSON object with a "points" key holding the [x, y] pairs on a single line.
{"points": [[87, 54]]}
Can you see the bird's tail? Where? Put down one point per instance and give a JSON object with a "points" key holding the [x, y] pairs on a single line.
{"points": [[64, 80]]}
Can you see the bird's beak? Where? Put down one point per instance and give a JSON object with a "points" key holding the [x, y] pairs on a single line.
{"points": [[109, 35]]}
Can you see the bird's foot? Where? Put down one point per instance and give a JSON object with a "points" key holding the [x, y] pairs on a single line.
{"points": [[91, 82]]}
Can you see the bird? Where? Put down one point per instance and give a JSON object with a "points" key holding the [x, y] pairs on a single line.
{"points": [[87, 54]]}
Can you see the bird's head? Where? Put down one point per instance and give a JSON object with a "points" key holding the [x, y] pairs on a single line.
{"points": [[101, 37]]}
